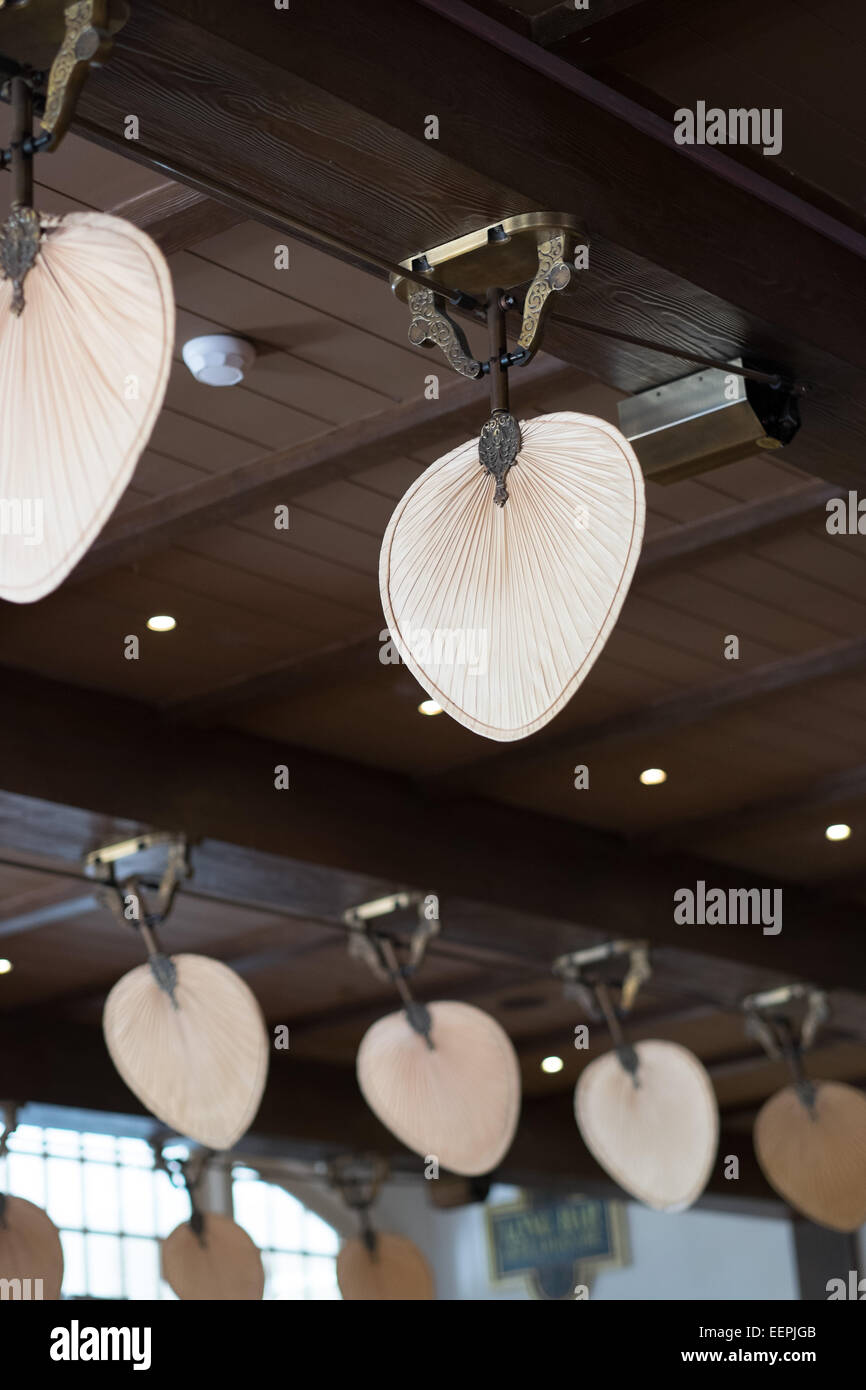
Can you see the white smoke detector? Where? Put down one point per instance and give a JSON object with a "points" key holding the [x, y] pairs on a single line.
{"points": [[219, 359]]}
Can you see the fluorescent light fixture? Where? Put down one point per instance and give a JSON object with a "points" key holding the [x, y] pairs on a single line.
{"points": [[653, 776], [838, 832], [162, 622], [429, 707], [552, 1064]]}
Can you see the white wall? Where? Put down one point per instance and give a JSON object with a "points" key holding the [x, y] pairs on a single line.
{"points": [[698, 1255]]}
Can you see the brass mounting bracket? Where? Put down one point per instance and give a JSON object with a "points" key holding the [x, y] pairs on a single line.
{"points": [[358, 1179], [141, 855], [785, 1021], [622, 963], [588, 977], [53, 44], [368, 942], [534, 249]]}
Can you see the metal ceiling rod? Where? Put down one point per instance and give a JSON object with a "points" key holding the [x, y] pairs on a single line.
{"points": [[775, 379]]}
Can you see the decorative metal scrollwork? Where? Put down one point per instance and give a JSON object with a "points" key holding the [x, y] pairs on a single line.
{"points": [[498, 448], [554, 273], [431, 325], [20, 238], [87, 40]]}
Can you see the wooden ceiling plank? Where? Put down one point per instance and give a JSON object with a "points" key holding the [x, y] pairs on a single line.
{"points": [[177, 217], [844, 786], [286, 473], [697, 705], [751, 523]]}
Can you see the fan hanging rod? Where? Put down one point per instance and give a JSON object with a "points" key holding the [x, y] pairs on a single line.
{"points": [[749, 373]]}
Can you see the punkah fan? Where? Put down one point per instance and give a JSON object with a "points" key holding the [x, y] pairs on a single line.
{"points": [[86, 324], [501, 610], [453, 1094], [188, 1037], [85, 354], [812, 1149], [655, 1131], [30, 1249], [220, 1262], [393, 1269], [810, 1137]]}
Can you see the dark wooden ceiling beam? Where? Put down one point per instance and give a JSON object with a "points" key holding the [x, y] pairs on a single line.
{"points": [[753, 523], [508, 880], [547, 22], [280, 476], [688, 248], [697, 705]]}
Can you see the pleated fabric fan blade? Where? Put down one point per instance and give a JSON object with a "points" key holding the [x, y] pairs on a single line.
{"points": [[458, 1102], [224, 1265], [816, 1159], [30, 1248], [83, 372], [395, 1270], [500, 612], [658, 1139], [200, 1067]]}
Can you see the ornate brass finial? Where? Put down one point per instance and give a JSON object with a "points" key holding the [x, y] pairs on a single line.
{"points": [[20, 239], [498, 448]]}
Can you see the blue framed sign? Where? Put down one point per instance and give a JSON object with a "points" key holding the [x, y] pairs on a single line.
{"points": [[557, 1243]]}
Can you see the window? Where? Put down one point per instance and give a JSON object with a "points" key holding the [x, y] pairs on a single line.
{"points": [[112, 1208], [109, 1203], [298, 1248]]}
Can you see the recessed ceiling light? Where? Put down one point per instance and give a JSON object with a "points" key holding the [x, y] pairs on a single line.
{"points": [[429, 707], [838, 832], [552, 1064], [5, 967], [161, 622], [652, 776]]}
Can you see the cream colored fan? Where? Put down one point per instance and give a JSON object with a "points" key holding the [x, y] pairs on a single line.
{"points": [[654, 1128], [84, 362], [188, 1037], [501, 610], [393, 1269], [30, 1249], [811, 1145], [218, 1263], [453, 1094]]}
